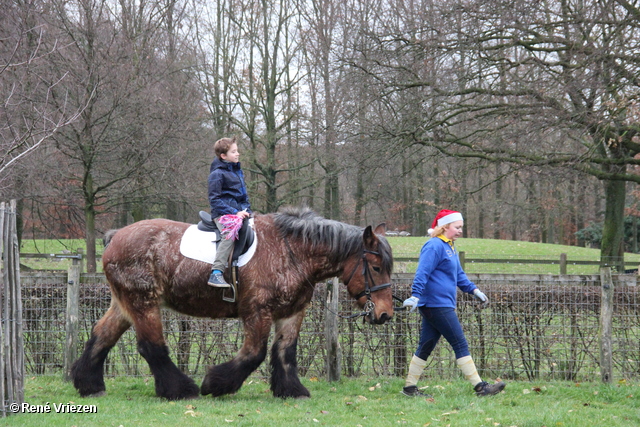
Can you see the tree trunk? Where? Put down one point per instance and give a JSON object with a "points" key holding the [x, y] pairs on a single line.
{"points": [[359, 196], [498, 206], [90, 224], [612, 251]]}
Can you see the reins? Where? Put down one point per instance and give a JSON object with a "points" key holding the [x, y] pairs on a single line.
{"points": [[369, 306]]}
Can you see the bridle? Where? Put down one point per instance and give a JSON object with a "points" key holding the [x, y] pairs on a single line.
{"points": [[369, 306]]}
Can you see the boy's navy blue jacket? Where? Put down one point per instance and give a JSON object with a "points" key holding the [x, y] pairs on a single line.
{"points": [[227, 190]]}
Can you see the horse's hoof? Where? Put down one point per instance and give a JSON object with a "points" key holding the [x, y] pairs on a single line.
{"points": [[303, 397]]}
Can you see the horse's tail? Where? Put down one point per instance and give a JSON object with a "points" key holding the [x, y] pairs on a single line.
{"points": [[108, 236]]}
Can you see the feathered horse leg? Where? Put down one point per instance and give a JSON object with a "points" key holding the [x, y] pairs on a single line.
{"points": [[284, 366], [228, 377]]}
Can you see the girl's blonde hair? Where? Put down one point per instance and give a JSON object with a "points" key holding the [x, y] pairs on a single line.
{"points": [[439, 230]]}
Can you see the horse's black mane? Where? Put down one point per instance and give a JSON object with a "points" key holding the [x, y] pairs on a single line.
{"points": [[342, 240]]}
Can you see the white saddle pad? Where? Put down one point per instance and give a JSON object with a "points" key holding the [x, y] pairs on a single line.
{"points": [[201, 245]]}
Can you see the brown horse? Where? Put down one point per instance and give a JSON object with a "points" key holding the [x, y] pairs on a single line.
{"points": [[296, 249]]}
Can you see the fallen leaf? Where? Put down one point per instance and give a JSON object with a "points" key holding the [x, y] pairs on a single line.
{"points": [[526, 391], [313, 379]]}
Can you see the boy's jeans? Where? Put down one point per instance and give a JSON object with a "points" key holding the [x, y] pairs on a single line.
{"points": [[224, 250]]}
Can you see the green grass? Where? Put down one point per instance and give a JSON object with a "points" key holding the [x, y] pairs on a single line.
{"points": [[51, 246], [406, 246], [517, 251], [350, 402]]}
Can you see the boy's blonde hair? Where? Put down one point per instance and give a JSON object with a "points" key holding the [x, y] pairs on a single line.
{"points": [[222, 146]]}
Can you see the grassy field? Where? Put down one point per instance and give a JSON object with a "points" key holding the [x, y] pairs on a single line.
{"points": [[516, 251], [350, 402]]}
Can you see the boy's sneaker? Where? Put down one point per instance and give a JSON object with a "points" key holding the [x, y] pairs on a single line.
{"points": [[486, 389], [412, 391], [217, 280]]}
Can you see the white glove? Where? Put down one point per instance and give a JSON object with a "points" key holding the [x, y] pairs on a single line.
{"points": [[411, 302], [481, 297]]}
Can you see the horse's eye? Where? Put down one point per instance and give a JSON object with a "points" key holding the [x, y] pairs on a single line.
{"points": [[376, 269]]}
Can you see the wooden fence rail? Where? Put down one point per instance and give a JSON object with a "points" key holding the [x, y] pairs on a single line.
{"points": [[562, 261]]}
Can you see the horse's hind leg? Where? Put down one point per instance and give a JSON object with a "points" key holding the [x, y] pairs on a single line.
{"points": [[170, 382], [87, 372], [284, 365]]}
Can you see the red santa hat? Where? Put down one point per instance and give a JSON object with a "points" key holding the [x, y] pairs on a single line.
{"points": [[445, 216]]}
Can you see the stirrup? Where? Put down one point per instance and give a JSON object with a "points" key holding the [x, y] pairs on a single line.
{"points": [[232, 286]]}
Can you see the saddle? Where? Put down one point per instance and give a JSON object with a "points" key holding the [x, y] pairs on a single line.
{"points": [[241, 245]]}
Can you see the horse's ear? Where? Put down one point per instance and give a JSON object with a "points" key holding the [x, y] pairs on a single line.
{"points": [[381, 229], [369, 238]]}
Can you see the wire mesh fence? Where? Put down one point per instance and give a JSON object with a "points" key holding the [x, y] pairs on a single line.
{"points": [[536, 328]]}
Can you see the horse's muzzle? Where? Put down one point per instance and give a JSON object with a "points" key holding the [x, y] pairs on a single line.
{"points": [[378, 320]]}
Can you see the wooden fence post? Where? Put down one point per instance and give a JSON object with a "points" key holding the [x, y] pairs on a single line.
{"points": [[72, 316], [334, 355], [563, 263], [461, 256], [11, 339], [606, 315]]}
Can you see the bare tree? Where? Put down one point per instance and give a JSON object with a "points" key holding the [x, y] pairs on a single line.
{"points": [[546, 84], [139, 105], [28, 117]]}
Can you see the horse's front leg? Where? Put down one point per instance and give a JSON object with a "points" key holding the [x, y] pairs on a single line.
{"points": [[228, 377], [284, 365]]}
